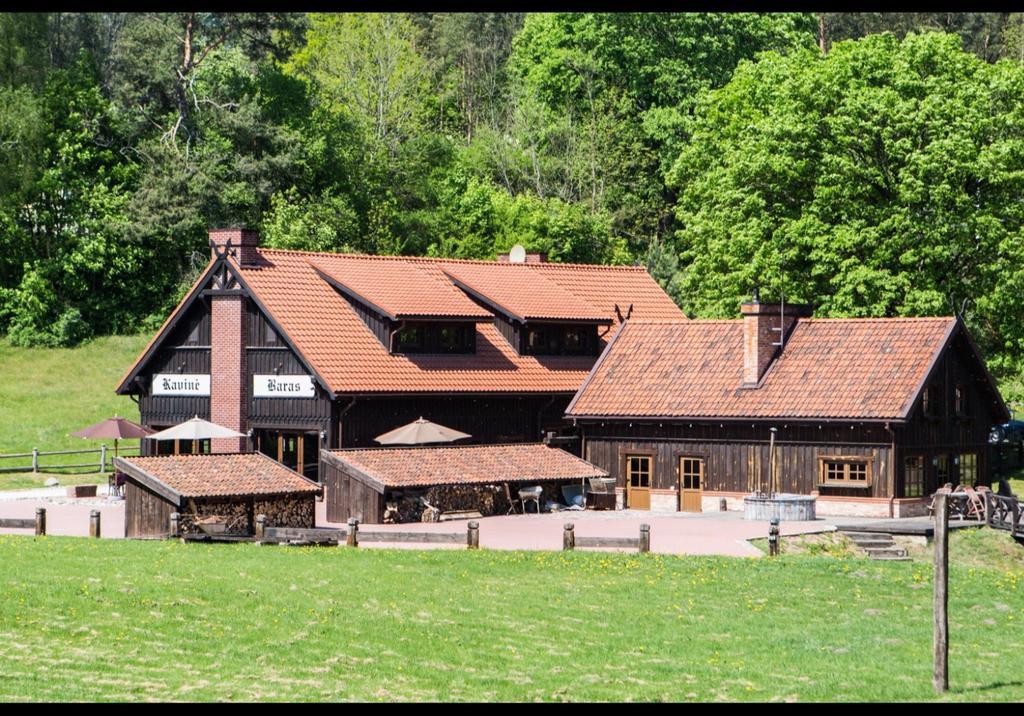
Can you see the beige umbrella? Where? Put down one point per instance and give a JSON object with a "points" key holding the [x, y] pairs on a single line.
{"points": [[196, 429], [420, 432]]}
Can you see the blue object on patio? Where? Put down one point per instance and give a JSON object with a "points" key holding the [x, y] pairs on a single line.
{"points": [[573, 494]]}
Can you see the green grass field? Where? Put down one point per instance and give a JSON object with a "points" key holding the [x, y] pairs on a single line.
{"points": [[129, 620], [47, 393]]}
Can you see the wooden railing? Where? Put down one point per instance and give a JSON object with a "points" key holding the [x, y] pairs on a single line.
{"points": [[1003, 513], [104, 463]]}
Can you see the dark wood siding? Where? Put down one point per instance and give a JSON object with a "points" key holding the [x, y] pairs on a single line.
{"points": [[304, 413], [186, 350], [380, 325], [510, 330], [737, 457], [146, 514], [346, 497], [489, 419]]}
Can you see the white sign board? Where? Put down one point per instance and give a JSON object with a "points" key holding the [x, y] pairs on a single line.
{"points": [[282, 386], [181, 384]]}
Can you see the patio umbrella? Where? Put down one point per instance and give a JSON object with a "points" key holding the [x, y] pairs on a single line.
{"points": [[113, 428], [420, 432], [196, 429]]}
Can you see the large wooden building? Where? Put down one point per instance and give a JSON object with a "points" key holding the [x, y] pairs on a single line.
{"points": [[872, 415], [305, 351]]}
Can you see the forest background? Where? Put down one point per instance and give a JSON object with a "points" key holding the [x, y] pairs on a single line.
{"points": [[869, 163]]}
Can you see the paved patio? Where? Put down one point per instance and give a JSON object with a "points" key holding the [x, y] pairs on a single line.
{"points": [[718, 533]]}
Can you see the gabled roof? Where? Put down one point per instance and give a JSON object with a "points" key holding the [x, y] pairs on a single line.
{"points": [[320, 322], [410, 293], [521, 293], [298, 291], [179, 477], [868, 369], [460, 465]]}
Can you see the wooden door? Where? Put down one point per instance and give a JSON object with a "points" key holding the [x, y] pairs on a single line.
{"points": [[638, 482], [691, 481]]}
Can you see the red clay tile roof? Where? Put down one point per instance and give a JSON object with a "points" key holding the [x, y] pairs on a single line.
{"points": [[344, 352], [830, 368], [400, 294], [221, 475], [521, 292], [468, 464]]}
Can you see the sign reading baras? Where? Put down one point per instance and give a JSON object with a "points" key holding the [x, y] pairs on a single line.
{"points": [[181, 384], [282, 386]]}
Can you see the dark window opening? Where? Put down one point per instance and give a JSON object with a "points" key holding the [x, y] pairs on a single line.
{"points": [[565, 340], [960, 400], [913, 476], [436, 338]]}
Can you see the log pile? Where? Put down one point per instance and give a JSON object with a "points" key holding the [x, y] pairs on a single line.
{"points": [[235, 514], [240, 514], [287, 511]]}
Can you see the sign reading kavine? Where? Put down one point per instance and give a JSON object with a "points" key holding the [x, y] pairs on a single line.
{"points": [[283, 386], [197, 384]]}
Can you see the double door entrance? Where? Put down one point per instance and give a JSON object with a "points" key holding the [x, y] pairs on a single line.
{"points": [[639, 472], [299, 451]]}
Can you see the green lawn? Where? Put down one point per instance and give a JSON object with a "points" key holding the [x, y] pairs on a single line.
{"points": [[131, 620], [47, 393]]}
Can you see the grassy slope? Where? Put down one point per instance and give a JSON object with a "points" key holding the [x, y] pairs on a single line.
{"points": [[45, 394], [83, 619]]}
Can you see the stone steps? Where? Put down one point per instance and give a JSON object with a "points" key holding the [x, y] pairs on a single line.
{"points": [[878, 545]]}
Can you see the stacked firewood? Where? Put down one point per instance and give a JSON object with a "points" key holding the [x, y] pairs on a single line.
{"points": [[234, 514], [287, 511]]}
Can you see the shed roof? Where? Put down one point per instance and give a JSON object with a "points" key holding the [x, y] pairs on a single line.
{"points": [[461, 465], [870, 369], [180, 477]]}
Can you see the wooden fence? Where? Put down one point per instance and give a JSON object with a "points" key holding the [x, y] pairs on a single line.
{"points": [[102, 464], [1004, 513]]}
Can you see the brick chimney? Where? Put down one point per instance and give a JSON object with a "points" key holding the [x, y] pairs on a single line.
{"points": [[228, 389], [761, 323], [244, 243], [531, 258]]}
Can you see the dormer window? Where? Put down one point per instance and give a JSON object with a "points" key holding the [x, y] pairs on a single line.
{"points": [[559, 340], [444, 338]]}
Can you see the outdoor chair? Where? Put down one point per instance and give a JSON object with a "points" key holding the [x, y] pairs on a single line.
{"points": [[974, 505], [947, 490]]}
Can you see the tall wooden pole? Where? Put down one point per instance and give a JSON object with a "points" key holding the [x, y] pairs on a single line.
{"points": [[940, 677]]}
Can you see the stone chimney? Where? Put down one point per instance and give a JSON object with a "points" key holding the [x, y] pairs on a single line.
{"points": [[761, 334], [244, 243]]}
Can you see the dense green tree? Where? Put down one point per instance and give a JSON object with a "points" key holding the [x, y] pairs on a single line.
{"points": [[882, 179]]}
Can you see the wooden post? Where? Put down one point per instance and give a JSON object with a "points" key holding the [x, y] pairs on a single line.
{"points": [[175, 525], [569, 537], [353, 527], [645, 538], [473, 535], [103, 459], [773, 537], [35, 459], [94, 523], [940, 676], [261, 525], [989, 507], [40, 520], [723, 505], [1015, 517]]}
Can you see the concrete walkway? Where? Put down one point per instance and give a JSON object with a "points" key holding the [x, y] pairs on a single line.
{"points": [[717, 533], [68, 516]]}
